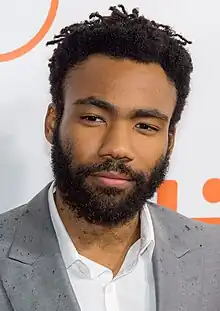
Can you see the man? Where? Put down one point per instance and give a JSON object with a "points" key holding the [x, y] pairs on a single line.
{"points": [[92, 240]]}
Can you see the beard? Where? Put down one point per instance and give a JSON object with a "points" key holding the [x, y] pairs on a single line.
{"points": [[106, 206]]}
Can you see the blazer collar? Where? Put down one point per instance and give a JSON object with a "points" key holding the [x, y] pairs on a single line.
{"points": [[34, 275]]}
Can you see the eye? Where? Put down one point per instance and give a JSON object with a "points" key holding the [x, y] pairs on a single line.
{"points": [[144, 127], [92, 119]]}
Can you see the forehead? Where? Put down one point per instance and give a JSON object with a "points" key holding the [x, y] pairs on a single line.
{"points": [[125, 83]]}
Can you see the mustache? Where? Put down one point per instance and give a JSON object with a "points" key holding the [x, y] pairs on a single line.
{"points": [[117, 166]]}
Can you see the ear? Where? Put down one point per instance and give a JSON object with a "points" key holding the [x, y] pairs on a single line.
{"points": [[171, 141], [50, 123]]}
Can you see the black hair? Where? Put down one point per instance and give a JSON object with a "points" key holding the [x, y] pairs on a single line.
{"points": [[122, 35]]}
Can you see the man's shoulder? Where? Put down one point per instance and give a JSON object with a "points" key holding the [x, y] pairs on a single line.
{"points": [[12, 216], [182, 226], [9, 221], [166, 214]]}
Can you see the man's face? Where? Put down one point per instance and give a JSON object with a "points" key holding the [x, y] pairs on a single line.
{"points": [[111, 148]]}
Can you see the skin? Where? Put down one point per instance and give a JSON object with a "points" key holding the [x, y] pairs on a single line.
{"points": [[138, 102]]}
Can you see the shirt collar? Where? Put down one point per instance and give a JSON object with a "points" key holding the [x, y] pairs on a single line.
{"points": [[147, 230], [67, 248]]}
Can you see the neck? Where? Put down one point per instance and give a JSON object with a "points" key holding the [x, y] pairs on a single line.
{"points": [[104, 245]]}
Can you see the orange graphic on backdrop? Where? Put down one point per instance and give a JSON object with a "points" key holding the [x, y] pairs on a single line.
{"points": [[36, 39], [167, 195]]}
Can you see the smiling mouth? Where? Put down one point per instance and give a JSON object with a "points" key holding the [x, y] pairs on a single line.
{"points": [[112, 179]]}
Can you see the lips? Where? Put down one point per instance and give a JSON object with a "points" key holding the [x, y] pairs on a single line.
{"points": [[112, 175], [112, 179]]}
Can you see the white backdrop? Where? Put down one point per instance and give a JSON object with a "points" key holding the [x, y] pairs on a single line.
{"points": [[24, 96]]}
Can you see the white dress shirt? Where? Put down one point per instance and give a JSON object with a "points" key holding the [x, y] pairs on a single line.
{"points": [[132, 289]]}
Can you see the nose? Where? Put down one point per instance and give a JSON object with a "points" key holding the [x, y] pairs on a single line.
{"points": [[117, 144]]}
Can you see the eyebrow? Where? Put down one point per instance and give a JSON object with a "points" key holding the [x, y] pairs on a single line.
{"points": [[93, 101], [150, 113], [109, 107]]}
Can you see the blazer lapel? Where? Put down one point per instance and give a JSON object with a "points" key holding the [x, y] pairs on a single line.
{"points": [[178, 274], [34, 275]]}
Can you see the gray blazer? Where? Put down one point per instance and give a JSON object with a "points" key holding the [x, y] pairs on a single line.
{"points": [[186, 262]]}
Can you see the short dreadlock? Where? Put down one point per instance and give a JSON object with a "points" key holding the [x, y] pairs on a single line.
{"points": [[121, 35]]}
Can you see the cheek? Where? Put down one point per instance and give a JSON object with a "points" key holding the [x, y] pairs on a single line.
{"points": [[150, 150], [86, 143]]}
